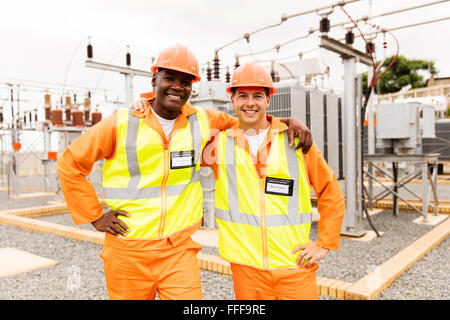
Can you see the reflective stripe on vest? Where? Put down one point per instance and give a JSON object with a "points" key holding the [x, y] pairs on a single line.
{"points": [[234, 215], [133, 192]]}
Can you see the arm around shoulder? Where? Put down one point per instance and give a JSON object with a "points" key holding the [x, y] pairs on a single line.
{"points": [[210, 155], [330, 200], [219, 120]]}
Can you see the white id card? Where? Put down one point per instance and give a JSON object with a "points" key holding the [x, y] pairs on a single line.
{"points": [[181, 159], [282, 187]]}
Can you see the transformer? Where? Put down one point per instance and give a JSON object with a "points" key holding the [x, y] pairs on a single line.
{"points": [[401, 127]]}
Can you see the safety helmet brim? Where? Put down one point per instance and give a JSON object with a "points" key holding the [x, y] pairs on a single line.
{"points": [[251, 74]]}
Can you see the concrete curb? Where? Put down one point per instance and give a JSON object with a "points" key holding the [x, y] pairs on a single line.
{"points": [[370, 286]]}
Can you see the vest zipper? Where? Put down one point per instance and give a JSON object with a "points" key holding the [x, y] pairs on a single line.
{"points": [[265, 254], [163, 191]]}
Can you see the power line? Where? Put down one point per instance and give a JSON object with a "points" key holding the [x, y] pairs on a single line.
{"points": [[387, 13], [313, 30], [285, 18], [70, 62], [43, 84], [276, 47], [297, 55], [407, 26]]}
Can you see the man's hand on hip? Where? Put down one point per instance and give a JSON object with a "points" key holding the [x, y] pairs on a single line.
{"points": [[110, 223], [311, 251]]}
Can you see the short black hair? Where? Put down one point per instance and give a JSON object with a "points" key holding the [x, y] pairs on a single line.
{"points": [[233, 90]]}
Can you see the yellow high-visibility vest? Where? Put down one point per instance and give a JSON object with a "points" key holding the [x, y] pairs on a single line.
{"points": [[159, 188], [261, 220]]}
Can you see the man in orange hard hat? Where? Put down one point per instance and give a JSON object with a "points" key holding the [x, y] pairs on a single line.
{"points": [[150, 182], [262, 198]]}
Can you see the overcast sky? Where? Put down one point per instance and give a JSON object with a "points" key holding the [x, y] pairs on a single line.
{"points": [[46, 40]]}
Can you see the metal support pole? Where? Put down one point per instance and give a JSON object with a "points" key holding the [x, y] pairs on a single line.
{"points": [[46, 134], [12, 179], [433, 182], [208, 185], [425, 191], [2, 161], [128, 88], [352, 224], [395, 199], [370, 134]]}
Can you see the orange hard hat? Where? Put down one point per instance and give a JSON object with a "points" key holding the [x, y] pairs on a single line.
{"points": [[251, 74], [179, 58]]}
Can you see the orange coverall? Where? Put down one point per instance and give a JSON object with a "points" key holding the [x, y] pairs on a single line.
{"points": [[298, 283], [134, 269]]}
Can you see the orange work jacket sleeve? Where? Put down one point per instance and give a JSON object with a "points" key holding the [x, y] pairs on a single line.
{"points": [[219, 121], [330, 200], [75, 164]]}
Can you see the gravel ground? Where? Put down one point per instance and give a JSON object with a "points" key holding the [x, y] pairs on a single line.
{"points": [[79, 272]]}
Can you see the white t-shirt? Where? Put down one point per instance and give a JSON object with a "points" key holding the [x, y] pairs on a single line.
{"points": [[166, 125], [256, 140]]}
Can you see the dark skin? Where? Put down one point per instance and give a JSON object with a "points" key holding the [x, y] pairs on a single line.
{"points": [[172, 91], [110, 223]]}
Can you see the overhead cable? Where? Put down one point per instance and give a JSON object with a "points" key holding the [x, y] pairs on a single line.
{"points": [[405, 26], [365, 18], [387, 13], [283, 19]]}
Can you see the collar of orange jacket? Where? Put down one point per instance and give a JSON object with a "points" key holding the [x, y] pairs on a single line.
{"points": [[260, 159]]}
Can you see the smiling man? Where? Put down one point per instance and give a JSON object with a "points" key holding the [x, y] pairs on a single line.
{"points": [[262, 198], [150, 182], [171, 98]]}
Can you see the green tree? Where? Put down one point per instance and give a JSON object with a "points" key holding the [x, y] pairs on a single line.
{"points": [[402, 73]]}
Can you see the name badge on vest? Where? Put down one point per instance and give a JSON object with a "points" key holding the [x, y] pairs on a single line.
{"points": [[282, 187], [181, 159]]}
